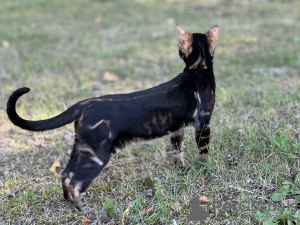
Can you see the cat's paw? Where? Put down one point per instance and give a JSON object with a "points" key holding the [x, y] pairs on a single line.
{"points": [[177, 157], [204, 157], [179, 161]]}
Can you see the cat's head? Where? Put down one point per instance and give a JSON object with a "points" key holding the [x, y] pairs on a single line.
{"points": [[197, 50]]}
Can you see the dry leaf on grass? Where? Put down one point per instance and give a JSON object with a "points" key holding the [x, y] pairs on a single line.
{"points": [[85, 221], [174, 205], [126, 212], [171, 21], [126, 195], [53, 167], [110, 77], [149, 211], [203, 200], [5, 44]]}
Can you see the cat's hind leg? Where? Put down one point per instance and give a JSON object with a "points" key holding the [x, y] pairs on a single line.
{"points": [[176, 148], [68, 172], [91, 162]]}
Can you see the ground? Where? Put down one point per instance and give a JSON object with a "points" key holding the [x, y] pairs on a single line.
{"points": [[67, 51]]}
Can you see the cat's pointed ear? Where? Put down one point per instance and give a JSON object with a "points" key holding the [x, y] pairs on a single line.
{"points": [[184, 40], [183, 36], [212, 36]]}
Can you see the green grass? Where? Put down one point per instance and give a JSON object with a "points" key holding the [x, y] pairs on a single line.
{"points": [[61, 49]]}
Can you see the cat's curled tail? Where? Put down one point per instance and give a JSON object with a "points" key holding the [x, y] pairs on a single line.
{"points": [[71, 114]]}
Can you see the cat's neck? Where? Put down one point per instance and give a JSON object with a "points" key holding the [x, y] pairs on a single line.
{"points": [[198, 69]]}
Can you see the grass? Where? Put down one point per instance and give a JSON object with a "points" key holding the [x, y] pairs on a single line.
{"points": [[61, 50]]}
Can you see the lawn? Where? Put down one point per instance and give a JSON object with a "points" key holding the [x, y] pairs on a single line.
{"points": [[67, 51]]}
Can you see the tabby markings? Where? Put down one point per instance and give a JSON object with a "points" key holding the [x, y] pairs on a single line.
{"points": [[194, 66], [202, 113], [204, 137], [198, 99], [202, 147], [107, 122], [95, 158]]}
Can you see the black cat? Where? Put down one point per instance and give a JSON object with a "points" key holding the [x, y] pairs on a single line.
{"points": [[107, 123]]}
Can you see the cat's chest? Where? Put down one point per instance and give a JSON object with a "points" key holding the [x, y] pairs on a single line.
{"points": [[198, 104], [201, 111]]}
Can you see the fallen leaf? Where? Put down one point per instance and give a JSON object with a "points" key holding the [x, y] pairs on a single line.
{"points": [[85, 221], [126, 212], [171, 21], [110, 77], [143, 213], [146, 212], [126, 195], [5, 44], [203, 200], [53, 167], [174, 205]]}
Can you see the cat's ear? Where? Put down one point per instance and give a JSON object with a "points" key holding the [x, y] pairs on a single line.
{"points": [[184, 40], [212, 36]]}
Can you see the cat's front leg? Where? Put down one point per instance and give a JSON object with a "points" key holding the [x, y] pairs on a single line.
{"points": [[176, 147], [202, 133]]}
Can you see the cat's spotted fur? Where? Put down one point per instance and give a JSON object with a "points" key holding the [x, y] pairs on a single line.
{"points": [[107, 123]]}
